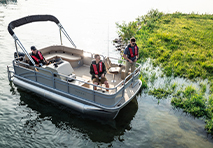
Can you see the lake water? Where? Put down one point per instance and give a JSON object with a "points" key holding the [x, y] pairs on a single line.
{"points": [[29, 121]]}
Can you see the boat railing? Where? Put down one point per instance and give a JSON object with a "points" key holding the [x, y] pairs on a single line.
{"points": [[130, 77], [127, 79], [57, 77]]}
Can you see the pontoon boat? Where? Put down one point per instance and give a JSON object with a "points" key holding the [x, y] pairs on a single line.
{"points": [[67, 79]]}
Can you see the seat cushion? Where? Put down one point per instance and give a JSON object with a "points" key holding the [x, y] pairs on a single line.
{"points": [[114, 69]]}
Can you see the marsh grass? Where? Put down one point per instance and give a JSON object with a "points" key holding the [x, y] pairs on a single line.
{"points": [[195, 103], [182, 45], [160, 93]]}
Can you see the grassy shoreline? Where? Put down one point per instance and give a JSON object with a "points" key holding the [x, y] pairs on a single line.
{"points": [[182, 45]]}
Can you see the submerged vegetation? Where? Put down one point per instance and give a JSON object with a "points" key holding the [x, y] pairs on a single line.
{"points": [[182, 45]]}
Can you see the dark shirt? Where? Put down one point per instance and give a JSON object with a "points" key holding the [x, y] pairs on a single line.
{"points": [[126, 52], [92, 72]]}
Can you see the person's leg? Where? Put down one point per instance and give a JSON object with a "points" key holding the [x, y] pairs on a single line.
{"points": [[133, 66], [107, 85], [95, 81], [104, 81], [127, 68]]}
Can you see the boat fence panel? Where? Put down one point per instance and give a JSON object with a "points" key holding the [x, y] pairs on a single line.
{"points": [[81, 92], [74, 88], [106, 100], [46, 80], [24, 72], [118, 97], [61, 85]]}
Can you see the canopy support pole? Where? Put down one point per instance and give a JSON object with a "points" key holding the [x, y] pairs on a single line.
{"points": [[23, 49], [60, 36], [66, 34], [16, 49]]}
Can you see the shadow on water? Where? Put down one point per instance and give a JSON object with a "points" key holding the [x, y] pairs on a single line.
{"points": [[67, 119]]}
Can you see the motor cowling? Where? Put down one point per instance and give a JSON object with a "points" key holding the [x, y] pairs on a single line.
{"points": [[19, 54]]}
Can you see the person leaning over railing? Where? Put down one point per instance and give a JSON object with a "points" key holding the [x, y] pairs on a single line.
{"points": [[38, 57], [131, 55], [98, 72]]}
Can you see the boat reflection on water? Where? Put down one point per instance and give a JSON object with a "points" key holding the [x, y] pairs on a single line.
{"points": [[66, 119]]}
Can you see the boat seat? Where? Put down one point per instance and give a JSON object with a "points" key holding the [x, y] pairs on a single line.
{"points": [[64, 56], [112, 68]]}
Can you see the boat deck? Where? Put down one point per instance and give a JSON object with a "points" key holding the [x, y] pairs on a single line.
{"points": [[83, 73]]}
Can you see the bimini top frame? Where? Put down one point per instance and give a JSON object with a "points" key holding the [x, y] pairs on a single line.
{"points": [[30, 19]]}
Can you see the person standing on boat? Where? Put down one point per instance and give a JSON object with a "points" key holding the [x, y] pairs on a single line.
{"points": [[98, 72], [38, 57], [131, 55]]}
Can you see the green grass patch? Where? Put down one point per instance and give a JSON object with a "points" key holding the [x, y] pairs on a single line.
{"points": [[182, 45]]}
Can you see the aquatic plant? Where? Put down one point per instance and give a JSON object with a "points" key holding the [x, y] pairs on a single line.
{"points": [[194, 105], [144, 81], [209, 121], [193, 102], [174, 85], [153, 77], [209, 126], [211, 87], [160, 93], [203, 87]]}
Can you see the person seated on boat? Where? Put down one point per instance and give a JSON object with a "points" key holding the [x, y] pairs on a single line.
{"points": [[38, 57], [98, 72]]}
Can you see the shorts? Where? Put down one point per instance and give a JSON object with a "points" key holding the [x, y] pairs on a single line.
{"points": [[102, 80]]}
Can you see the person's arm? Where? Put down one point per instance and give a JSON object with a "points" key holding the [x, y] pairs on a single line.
{"points": [[91, 70], [104, 70], [137, 57], [125, 57]]}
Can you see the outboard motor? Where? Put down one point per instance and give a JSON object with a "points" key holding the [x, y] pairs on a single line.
{"points": [[20, 54]]}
